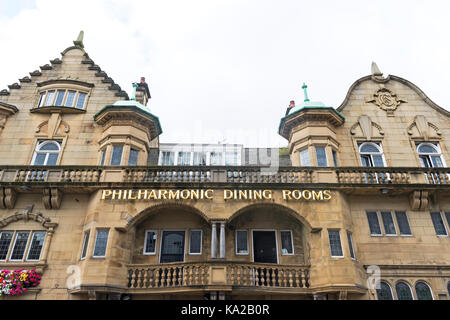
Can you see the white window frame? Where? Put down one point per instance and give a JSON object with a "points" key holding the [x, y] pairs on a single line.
{"points": [[145, 243], [85, 243], [185, 241], [438, 153], [42, 101], [390, 287], [371, 154], [24, 250], [276, 244], [31, 242], [429, 287], [407, 284], [42, 143], [443, 222], [292, 243], [95, 243], [340, 240], [201, 243], [9, 246], [236, 243], [350, 244], [378, 219], [393, 222], [409, 224]]}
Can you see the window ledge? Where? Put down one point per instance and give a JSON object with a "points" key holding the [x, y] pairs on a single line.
{"points": [[15, 265], [58, 109]]}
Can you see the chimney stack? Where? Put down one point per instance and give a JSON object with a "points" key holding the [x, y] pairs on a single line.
{"points": [[142, 92], [291, 105]]}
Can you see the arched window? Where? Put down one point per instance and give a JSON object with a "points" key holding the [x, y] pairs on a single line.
{"points": [[448, 288], [46, 153], [430, 155], [371, 154], [403, 291], [423, 291], [385, 292]]}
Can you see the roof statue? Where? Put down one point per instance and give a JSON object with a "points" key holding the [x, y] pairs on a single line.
{"points": [[375, 70], [133, 94], [79, 41]]}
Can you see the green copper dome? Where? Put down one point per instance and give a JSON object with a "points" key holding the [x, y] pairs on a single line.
{"points": [[306, 104]]}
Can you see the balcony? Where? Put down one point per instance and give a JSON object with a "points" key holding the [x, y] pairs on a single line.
{"points": [[341, 176], [228, 275]]}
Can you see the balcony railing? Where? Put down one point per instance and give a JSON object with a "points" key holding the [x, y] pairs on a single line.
{"points": [[226, 174], [179, 275]]}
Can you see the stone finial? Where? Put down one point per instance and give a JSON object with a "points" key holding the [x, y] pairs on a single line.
{"points": [[304, 87], [375, 70], [79, 41], [133, 95]]}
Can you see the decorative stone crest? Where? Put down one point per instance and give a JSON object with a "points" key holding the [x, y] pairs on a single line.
{"points": [[386, 100], [363, 129]]}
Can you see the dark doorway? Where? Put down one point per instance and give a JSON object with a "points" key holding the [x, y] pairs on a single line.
{"points": [[265, 246], [172, 246]]}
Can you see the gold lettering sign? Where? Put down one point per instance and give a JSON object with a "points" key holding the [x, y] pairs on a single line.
{"points": [[228, 194]]}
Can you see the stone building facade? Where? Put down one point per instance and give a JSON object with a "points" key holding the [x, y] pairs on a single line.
{"points": [[364, 199]]}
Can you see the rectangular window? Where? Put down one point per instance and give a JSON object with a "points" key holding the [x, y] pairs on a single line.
{"points": [[374, 224], [101, 240], [216, 159], [60, 97], [133, 158], [350, 245], [150, 242], [199, 159], [5, 242], [438, 223], [70, 98], [102, 157], [116, 157], [241, 242], [81, 100], [403, 223], [50, 96], [335, 243], [41, 99], [167, 158], [37, 243], [184, 158], [335, 160], [85, 244], [20, 245], [447, 216], [321, 157], [304, 158], [195, 242], [287, 246], [388, 222], [231, 158]]}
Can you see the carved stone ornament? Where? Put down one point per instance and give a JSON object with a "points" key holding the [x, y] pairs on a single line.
{"points": [[364, 128], [386, 100], [420, 129]]}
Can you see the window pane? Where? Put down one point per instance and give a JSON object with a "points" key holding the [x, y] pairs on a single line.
{"points": [[39, 160], [216, 158], [41, 99], [81, 99], [335, 158], [286, 242], [378, 161], [150, 242], [60, 97], [231, 158], [184, 158], [402, 221], [133, 158], [304, 158], [50, 96], [241, 242], [425, 161], [438, 224], [102, 159], [437, 162], [116, 155], [384, 293], [70, 98], [369, 148], [199, 158], [423, 291], [5, 241], [335, 243], [366, 161], [195, 242], [350, 245], [85, 244], [37, 242], [426, 148], [19, 245], [388, 223], [403, 291], [52, 158], [321, 157], [50, 146], [374, 224], [100, 243], [167, 158]]}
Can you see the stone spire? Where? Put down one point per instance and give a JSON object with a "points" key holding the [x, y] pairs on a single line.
{"points": [[375, 70], [79, 41]]}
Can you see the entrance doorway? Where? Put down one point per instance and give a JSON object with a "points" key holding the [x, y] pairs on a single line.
{"points": [[172, 246], [265, 246]]}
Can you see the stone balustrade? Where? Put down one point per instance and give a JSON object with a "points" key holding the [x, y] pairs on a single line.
{"points": [[226, 174]]}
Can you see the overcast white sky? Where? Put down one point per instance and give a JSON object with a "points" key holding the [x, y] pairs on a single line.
{"points": [[226, 70]]}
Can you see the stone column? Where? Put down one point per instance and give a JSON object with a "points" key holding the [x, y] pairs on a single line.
{"points": [[222, 240], [214, 241]]}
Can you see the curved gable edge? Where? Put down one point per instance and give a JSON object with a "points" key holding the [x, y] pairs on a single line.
{"points": [[409, 84]]}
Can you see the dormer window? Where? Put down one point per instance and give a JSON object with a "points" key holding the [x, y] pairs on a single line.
{"points": [[63, 98]]}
